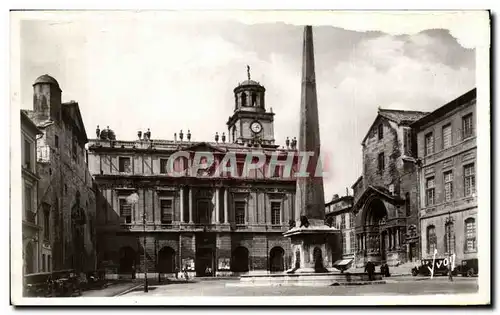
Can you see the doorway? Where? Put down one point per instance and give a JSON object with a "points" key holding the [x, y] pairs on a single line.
{"points": [[413, 252], [205, 262]]}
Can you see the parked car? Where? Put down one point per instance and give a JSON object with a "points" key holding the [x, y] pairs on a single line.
{"points": [[439, 268], [469, 267], [37, 284], [65, 283], [96, 280]]}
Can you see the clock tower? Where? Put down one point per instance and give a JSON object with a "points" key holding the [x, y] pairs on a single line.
{"points": [[251, 124]]}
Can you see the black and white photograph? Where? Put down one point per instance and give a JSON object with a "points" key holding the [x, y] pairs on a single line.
{"points": [[188, 157]]}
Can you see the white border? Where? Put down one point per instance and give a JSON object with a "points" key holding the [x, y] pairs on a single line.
{"points": [[482, 46]]}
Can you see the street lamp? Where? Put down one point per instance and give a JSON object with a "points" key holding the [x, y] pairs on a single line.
{"points": [[133, 199]]}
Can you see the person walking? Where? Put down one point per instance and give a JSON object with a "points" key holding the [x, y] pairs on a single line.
{"points": [[370, 269]]}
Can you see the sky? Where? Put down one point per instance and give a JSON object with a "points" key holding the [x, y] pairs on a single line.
{"points": [[169, 74]]}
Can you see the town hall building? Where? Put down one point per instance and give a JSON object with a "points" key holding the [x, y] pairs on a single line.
{"points": [[150, 221]]}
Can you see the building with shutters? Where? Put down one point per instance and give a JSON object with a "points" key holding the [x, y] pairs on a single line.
{"points": [[213, 224], [339, 214], [65, 205], [32, 221], [447, 201]]}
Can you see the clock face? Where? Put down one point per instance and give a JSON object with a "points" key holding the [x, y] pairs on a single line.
{"points": [[256, 127]]}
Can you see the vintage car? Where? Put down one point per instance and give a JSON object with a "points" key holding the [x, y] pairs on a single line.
{"points": [[96, 280], [439, 268], [37, 284], [65, 283], [469, 267]]}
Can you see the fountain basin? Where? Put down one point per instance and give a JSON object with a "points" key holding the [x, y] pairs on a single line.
{"points": [[307, 279]]}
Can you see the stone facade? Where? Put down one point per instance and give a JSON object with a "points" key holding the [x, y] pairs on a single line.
{"points": [[32, 222], [385, 196], [65, 189], [212, 225], [447, 179]]}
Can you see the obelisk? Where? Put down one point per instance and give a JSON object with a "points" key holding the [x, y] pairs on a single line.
{"points": [[313, 243]]}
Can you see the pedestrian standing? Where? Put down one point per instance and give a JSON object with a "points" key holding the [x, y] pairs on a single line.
{"points": [[450, 273], [370, 269]]}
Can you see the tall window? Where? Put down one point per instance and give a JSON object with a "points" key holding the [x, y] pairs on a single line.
{"points": [[342, 221], [56, 141], [407, 204], [167, 212], [46, 225], [28, 198], [163, 166], [407, 138], [380, 132], [449, 238], [352, 241], [447, 136], [429, 143], [27, 154], [344, 243], [275, 213], [351, 220], [448, 185], [431, 239], [239, 209], [74, 148], [43, 263], [243, 99], [430, 191], [125, 211], [381, 162], [469, 179], [470, 235], [124, 164], [467, 126]]}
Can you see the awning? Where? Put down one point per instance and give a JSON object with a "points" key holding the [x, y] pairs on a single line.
{"points": [[343, 262]]}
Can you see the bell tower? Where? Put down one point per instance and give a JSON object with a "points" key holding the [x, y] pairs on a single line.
{"points": [[251, 124]]}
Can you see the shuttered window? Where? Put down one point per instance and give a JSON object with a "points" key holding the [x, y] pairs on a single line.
{"points": [[239, 212], [449, 238], [470, 234], [469, 179], [447, 136], [448, 186], [125, 211], [275, 213], [166, 211], [429, 144]]}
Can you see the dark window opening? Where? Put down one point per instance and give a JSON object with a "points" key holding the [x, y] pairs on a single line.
{"points": [[166, 211]]}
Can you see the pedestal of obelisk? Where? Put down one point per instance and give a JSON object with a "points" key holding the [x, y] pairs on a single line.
{"points": [[315, 246]]}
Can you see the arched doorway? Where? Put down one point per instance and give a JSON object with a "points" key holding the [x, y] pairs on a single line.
{"points": [[29, 259], [166, 260], [277, 262], [376, 239], [127, 260], [239, 260], [318, 260]]}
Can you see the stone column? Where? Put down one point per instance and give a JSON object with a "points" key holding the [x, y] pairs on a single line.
{"points": [[226, 204], [389, 233], [190, 205], [182, 203], [397, 237], [217, 202]]}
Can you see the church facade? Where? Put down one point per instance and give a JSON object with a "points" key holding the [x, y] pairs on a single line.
{"points": [[208, 222], [385, 196]]}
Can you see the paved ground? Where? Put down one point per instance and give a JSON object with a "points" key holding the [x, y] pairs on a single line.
{"points": [[400, 286], [112, 290]]}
